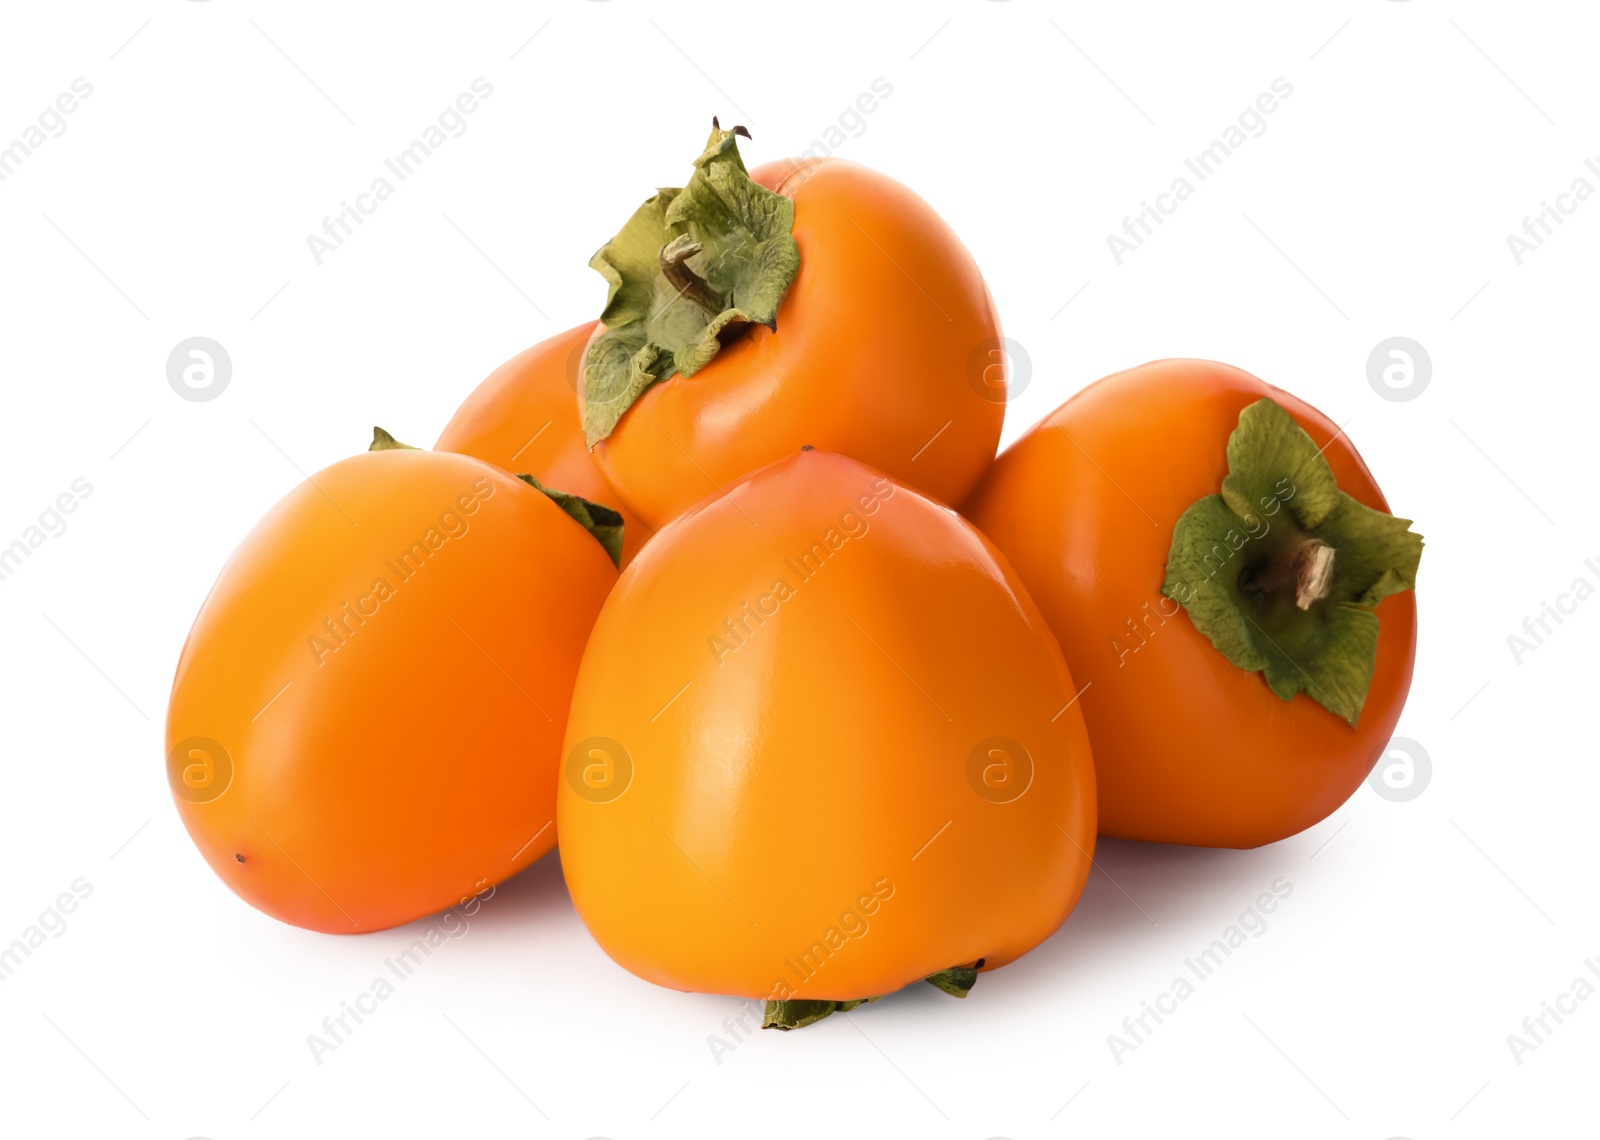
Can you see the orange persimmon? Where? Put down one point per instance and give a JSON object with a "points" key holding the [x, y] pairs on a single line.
{"points": [[524, 419], [806, 302], [822, 745], [366, 718], [1224, 575]]}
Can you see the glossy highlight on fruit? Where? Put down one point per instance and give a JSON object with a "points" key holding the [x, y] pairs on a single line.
{"points": [[822, 746], [1190, 747], [366, 718]]}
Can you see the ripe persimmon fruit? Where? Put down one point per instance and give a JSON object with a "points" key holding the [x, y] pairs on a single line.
{"points": [[805, 302], [822, 745], [1223, 572], [366, 721], [524, 419]]}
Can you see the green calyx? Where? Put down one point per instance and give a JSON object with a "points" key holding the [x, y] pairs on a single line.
{"points": [[1282, 570], [788, 1015], [688, 272], [383, 441], [958, 980], [600, 521], [603, 523]]}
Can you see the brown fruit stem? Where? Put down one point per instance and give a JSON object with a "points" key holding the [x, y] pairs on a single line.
{"points": [[1309, 565], [674, 257]]}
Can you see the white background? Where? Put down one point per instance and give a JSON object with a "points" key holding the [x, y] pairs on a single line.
{"points": [[219, 135]]}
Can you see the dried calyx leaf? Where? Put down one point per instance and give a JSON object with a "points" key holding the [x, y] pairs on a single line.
{"points": [[957, 981], [688, 272], [798, 1014], [794, 1014], [383, 441]]}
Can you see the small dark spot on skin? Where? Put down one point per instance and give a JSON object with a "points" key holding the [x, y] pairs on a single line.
{"points": [[807, 447], [238, 856]]}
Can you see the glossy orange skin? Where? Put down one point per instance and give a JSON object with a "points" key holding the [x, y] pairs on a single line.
{"points": [[414, 765], [1188, 747], [824, 761], [524, 419], [879, 350]]}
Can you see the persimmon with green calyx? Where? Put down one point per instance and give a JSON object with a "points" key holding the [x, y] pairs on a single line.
{"points": [[524, 419], [822, 746], [804, 302], [366, 719], [1229, 585]]}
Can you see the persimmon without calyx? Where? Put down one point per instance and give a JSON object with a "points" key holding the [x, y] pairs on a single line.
{"points": [[367, 715], [821, 746], [1221, 568], [524, 419], [805, 302]]}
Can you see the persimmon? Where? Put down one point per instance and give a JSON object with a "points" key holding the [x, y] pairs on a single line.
{"points": [[805, 302], [366, 721], [822, 745], [524, 419], [1224, 573]]}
